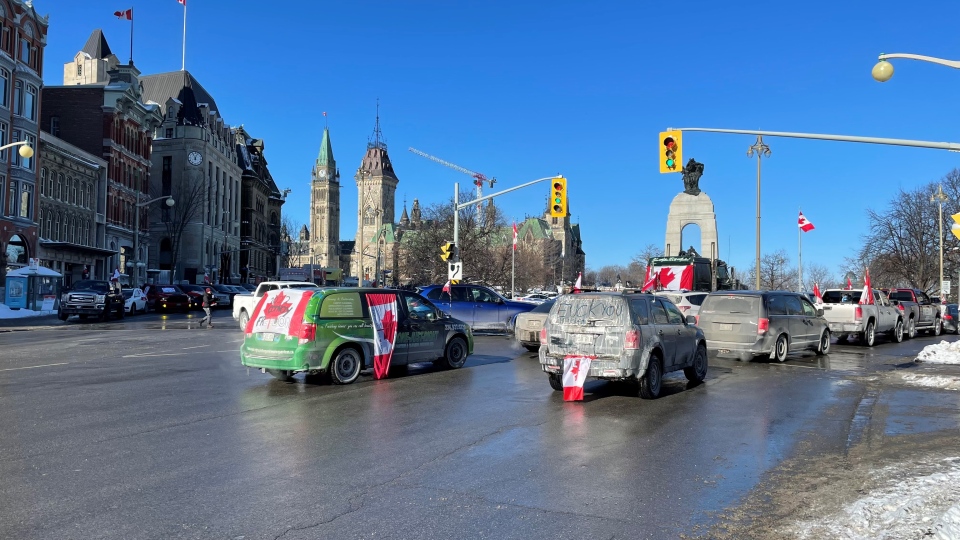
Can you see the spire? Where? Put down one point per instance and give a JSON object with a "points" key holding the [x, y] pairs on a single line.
{"points": [[96, 45], [404, 218], [415, 214], [325, 159], [376, 139]]}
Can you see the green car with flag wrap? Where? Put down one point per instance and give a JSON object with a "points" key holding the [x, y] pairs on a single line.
{"points": [[340, 331]]}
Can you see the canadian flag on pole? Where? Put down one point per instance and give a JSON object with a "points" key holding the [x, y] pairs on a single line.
{"points": [[816, 293], [124, 14], [650, 280], [446, 287], [514, 236], [182, 2], [867, 296], [383, 312], [575, 370], [849, 285], [804, 223], [576, 286]]}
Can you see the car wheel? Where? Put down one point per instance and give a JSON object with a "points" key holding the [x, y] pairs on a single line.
{"points": [[345, 366], [649, 387], [823, 346], [898, 332], [911, 329], [869, 336], [62, 316], [455, 355], [532, 348], [103, 315], [781, 348], [937, 327], [698, 371], [281, 374], [556, 382], [121, 311], [244, 319]]}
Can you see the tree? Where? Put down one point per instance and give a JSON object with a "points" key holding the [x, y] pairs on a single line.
{"points": [[818, 273], [189, 195], [775, 272], [637, 269]]}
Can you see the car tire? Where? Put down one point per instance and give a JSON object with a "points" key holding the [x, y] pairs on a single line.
{"points": [[454, 355], [532, 348], [698, 371], [345, 366], [897, 332], [120, 311], [937, 327], [781, 348], [244, 319], [104, 315], [649, 385], [869, 335], [556, 381], [133, 308], [911, 329], [823, 346], [62, 316], [283, 375]]}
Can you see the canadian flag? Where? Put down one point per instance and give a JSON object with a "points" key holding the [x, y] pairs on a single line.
{"points": [[867, 296], [804, 223], [575, 370], [383, 312], [125, 14], [576, 286], [676, 278], [446, 287], [849, 285], [182, 2], [649, 280], [816, 293], [514, 236]]}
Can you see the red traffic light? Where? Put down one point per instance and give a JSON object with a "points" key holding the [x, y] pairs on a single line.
{"points": [[669, 143]]}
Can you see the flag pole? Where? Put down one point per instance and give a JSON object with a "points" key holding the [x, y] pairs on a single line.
{"points": [[800, 258], [513, 263], [131, 36], [183, 58]]}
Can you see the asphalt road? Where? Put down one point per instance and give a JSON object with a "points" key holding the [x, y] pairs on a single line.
{"points": [[150, 428]]}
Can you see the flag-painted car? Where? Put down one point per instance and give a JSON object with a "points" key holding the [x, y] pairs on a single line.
{"points": [[340, 331]]}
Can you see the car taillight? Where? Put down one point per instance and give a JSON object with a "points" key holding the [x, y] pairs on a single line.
{"points": [[858, 313], [900, 307], [543, 335], [632, 340], [698, 320], [763, 325], [948, 316], [308, 333]]}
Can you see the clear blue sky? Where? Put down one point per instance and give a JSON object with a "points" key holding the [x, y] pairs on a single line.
{"points": [[522, 90]]}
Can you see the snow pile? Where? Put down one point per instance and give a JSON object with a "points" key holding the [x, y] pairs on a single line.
{"points": [[7, 313], [932, 381], [907, 508], [941, 353]]}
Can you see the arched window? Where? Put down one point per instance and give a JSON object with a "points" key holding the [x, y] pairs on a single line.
{"points": [[60, 187], [76, 188], [43, 174], [50, 231], [83, 191], [73, 230], [55, 231], [17, 250], [40, 221], [64, 232]]}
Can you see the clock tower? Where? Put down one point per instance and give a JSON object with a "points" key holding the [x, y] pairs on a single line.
{"points": [[325, 207], [377, 187]]}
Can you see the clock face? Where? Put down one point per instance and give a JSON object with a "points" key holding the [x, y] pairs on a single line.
{"points": [[195, 158], [323, 172]]}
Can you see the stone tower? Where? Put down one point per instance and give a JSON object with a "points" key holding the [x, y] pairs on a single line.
{"points": [[325, 207], [377, 188]]}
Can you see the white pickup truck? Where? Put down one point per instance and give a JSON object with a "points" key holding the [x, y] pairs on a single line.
{"points": [[244, 304], [847, 317]]}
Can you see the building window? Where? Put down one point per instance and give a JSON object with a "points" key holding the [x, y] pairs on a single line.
{"points": [[25, 50], [4, 84], [79, 68], [60, 187], [50, 232], [19, 161], [169, 133], [30, 103], [83, 191], [43, 181], [55, 126], [55, 231], [90, 202], [75, 199], [20, 199], [18, 98]]}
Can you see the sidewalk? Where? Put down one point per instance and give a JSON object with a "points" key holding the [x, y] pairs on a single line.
{"points": [[25, 323]]}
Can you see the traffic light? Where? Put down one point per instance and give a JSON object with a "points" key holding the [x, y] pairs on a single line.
{"points": [[558, 197], [447, 251], [671, 147], [955, 228]]}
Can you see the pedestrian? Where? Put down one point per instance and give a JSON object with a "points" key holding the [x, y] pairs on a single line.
{"points": [[209, 300], [115, 279]]}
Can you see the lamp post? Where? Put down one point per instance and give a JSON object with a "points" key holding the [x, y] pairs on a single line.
{"points": [[939, 197], [136, 232], [761, 150], [883, 70]]}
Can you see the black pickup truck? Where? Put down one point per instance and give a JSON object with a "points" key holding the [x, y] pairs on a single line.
{"points": [[91, 297]]}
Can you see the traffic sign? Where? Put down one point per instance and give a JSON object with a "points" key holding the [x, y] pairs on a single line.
{"points": [[455, 271]]}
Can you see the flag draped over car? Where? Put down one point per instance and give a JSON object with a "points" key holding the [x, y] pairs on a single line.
{"points": [[867, 296], [575, 370], [383, 313]]}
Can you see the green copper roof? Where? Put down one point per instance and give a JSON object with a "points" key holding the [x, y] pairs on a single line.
{"points": [[326, 150]]}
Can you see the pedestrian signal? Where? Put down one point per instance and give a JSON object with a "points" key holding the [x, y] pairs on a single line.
{"points": [[558, 197], [670, 151]]}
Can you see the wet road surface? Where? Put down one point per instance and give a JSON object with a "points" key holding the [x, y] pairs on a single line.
{"points": [[150, 428]]}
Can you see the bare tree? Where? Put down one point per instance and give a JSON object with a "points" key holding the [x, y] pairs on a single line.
{"points": [[189, 195], [776, 274], [820, 274]]}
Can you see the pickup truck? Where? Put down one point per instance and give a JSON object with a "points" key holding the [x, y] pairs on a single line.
{"points": [[919, 312], [847, 317], [91, 297], [244, 304]]}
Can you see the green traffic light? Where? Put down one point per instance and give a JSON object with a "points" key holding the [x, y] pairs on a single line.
{"points": [[670, 163], [557, 200]]}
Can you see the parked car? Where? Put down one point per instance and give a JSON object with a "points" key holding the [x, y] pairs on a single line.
{"points": [[534, 298], [847, 317], [745, 324], [91, 297], [227, 292], [527, 329], [632, 337], [920, 312], [330, 331], [250, 287], [688, 302], [134, 301], [168, 298], [951, 319], [480, 307]]}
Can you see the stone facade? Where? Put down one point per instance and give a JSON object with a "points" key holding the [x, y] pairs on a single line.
{"points": [[260, 231], [73, 198], [687, 209], [377, 187], [324, 235]]}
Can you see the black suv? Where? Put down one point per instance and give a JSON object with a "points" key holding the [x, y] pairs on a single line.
{"points": [[91, 297]]}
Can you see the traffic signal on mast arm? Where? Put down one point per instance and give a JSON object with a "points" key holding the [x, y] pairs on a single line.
{"points": [[558, 197], [447, 251], [671, 146]]}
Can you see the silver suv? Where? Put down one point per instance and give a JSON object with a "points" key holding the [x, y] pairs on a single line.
{"points": [[630, 337], [688, 302]]}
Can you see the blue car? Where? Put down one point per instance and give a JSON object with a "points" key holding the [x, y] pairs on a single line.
{"points": [[479, 306]]}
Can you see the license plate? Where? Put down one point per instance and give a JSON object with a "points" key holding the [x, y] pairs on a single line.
{"points": [[267, 336], [586, 338], [724, 326], [533, 324]]}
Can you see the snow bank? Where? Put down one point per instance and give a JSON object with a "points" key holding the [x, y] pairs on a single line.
{"points": [[932, 381], [941, 353], [908, 507], [7, 313]]}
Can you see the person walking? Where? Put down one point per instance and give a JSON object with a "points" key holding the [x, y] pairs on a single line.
{"points": [[209, 300]]}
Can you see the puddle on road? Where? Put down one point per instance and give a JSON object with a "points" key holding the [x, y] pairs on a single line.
{"points": [[910, 411]]}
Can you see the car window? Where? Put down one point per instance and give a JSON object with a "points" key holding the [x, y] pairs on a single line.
{"points": [[640, 311], [417, 306], [696, 299], [659, 313], [923, 298], [482, 295], [808, 308], [726, 304], [346, 304], [673, 312], [675, 298], [127, 293], [793, 305], [590, 310], [441, 296], [776, 305]]}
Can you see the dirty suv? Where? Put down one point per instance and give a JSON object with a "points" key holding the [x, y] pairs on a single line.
{"points": [[633, 337]]}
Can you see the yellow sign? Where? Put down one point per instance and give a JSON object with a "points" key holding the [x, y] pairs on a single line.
{"points": [[955, 228], [446, 251]]}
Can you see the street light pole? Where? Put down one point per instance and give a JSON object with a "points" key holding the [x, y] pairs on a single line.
{"points": [[883, 70], [136, 232], [761, 150], [939, 197]]}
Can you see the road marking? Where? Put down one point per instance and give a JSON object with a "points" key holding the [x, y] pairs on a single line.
{"points": [[31, 367], [197, 347]]}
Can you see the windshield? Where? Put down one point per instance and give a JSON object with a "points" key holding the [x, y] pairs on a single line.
{"points": [[901, 296], [90, 285], [730, 304], [583, 310]]}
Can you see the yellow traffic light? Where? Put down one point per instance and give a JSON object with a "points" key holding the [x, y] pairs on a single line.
{"points": [[558, 197], [955, 228], [446, 251], [671, 147]]}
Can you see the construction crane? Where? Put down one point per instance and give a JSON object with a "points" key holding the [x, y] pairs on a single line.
{"points": [[478, 178]]}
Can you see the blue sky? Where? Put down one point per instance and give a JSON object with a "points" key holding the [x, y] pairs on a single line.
{"points": [[522, 90]]}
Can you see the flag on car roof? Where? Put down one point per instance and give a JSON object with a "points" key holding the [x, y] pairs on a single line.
{"points": [[867, 296], [576, 286], [804, 223], [649, 281], [575, 370]]}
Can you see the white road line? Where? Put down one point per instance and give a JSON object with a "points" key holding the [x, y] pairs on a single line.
{"points": [[31, 367], [197, 347]]}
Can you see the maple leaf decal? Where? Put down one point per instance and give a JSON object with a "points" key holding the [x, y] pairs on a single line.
{"points": [[389, 325], [667, 276], [575, 369], [277, 307]]}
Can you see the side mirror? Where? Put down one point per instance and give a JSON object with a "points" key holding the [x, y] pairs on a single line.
{"points": [[431, 316], [691, 319], [820, 312]]}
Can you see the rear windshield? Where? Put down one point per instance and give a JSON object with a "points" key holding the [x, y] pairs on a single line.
{"points": [[901, 296], [544, 307], [585, 310], [845, 297], [730, 304]]}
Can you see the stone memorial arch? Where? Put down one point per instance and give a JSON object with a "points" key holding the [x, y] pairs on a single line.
{"points": [[692, 206]]}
